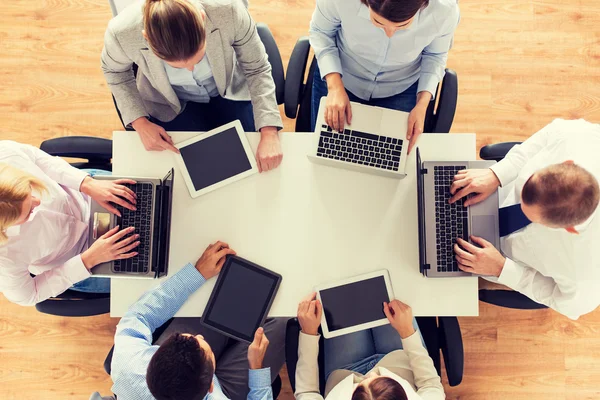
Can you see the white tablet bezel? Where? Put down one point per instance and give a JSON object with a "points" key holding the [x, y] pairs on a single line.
{"points": [[368, 325], [249, 153]]}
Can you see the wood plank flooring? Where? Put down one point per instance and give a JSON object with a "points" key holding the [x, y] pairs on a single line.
{"points": [[520, 65]]}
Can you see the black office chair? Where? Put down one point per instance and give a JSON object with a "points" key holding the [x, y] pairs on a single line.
{"points": [[504, 298], [440, 334], [298, 93], [275, 386], [274, 59], [98, 153]]}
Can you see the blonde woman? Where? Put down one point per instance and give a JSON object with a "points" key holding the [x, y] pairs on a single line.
{"points": [[201, 64], [44, 215]]}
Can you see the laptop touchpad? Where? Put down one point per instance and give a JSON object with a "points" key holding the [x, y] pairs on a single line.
{"points": [[484, 226]]}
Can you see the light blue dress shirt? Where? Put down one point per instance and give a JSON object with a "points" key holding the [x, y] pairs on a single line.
{"points": [[198, 86], [133, 340], [371, 64]]}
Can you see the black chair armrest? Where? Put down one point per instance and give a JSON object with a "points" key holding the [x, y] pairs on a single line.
{"points": [[90, 148], [452, 349], [294, 80], [447, 103], [108, 360], [79, 305], [429, 331], [274, 58], [292, 333], [509, 299], [496, 151]]}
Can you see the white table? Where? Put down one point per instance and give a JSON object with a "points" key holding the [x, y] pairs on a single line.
{"points": [[311, 223]]}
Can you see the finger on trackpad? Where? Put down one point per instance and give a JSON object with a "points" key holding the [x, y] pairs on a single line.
{"points": [[484, 226]]}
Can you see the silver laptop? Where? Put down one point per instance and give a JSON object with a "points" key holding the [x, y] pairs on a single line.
{"points": [[152, 221], [440, 223], [375, 143]]}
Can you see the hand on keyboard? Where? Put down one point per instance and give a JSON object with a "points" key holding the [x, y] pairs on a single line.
{"points": [[113, 245], [110, 193], [482, 182], [482, 260]]}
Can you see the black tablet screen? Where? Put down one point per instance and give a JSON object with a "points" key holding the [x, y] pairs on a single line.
{"points": [[242, 300], [355, 303], [215, 158]]}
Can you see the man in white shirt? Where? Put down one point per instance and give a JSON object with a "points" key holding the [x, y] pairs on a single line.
{"points": [[387, 362], [551, 254]]}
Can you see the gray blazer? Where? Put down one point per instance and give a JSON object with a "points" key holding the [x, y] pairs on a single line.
{"points": [[238, 59]]}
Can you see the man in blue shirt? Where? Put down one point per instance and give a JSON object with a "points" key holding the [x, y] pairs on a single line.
{"points": [[384, 53], [199, 364]]}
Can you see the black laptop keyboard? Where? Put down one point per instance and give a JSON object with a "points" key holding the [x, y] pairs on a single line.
{"points": [[360, 148], [451, 219], [142, 221]]}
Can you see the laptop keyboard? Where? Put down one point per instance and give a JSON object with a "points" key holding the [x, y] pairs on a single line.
{"points": [[141, 220], [451, 220], [360, 148]]}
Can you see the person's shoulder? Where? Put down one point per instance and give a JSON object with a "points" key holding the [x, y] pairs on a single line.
{"points": [[10, 148], [220, 6], [130, 19], [443, 11]]}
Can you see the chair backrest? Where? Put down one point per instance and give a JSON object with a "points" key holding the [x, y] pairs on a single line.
{"points": [[509, 299]]}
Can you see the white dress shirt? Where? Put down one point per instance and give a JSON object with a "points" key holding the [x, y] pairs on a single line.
{"points": [[50, 242], [411, 367], [552, 266], [198, 85]]}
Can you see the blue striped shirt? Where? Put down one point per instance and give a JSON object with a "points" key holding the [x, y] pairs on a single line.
{"points": [[133, 340]]}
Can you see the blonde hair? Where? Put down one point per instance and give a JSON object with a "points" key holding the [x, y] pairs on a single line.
{"points": [[174, 29], [15, 186]]}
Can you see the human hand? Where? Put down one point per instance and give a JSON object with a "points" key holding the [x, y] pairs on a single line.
{"points": [[212, 259], [106, 192], [257, 349], [337, 104], [310, 311], [484, 260], [484, 182], [400, 316], [416, 123], [154, 137], [111, 246], [268, 153]]}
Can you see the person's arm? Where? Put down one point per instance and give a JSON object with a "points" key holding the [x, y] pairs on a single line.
{"points": [[435, 55], [56, 168], [259, 378], [324, 26], [21, 288], [152, 310], [509, 167], [541, 289], [253, 59], [310, 312], [118, 72], [428, 383]]}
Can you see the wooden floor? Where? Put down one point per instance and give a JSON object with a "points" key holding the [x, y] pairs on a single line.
{"points": [[520, 64]]}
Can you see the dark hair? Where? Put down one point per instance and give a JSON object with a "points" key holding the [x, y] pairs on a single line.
{"points": [[382, 388], [566, 193], [174, 28], [180, 370], [396, 10]]}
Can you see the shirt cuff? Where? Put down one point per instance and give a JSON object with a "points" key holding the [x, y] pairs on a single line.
{"points": [[505, 172], [75, 270], [329, 63], [413, 341], [259, 378], [511, 274], [74, 178], [428, 82]]}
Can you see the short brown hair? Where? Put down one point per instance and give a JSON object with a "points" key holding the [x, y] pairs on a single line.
{"points": [[174, 28], [566, 193], [382, 388], [396, 10]]}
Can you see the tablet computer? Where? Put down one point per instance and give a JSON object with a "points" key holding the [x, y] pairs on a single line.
{"points": [[354, 304], [216, 158], [241, 298]]}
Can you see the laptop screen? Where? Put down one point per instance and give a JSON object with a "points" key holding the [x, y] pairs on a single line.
{"points": [[421, 212]]}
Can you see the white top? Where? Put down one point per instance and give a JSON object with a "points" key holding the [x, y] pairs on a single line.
{"points": [[411, 367], [311, 223], [552, 266], [198, 86], [49, 244]]}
